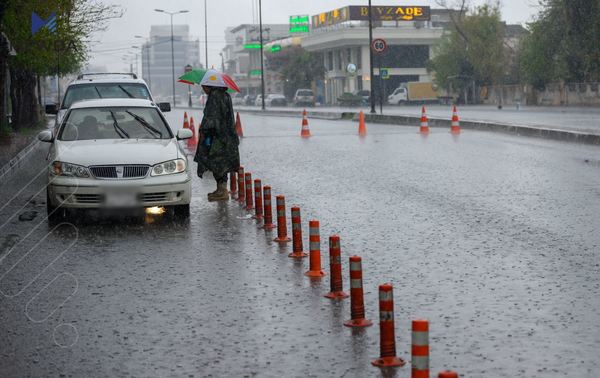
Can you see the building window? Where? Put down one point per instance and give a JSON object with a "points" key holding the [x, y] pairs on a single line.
{"points": [[406, 56], [358, 58], [330, 60]]}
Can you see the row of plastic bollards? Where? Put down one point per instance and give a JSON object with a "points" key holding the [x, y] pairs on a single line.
{"points": [[261, 202]]}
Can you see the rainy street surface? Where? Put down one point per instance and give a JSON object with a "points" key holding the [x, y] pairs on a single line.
{"points": [[493, 238]]}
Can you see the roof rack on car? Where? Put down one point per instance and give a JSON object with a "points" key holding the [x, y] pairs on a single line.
{"points": [[81, 76]]}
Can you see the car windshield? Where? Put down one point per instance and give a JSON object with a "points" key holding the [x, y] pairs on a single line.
{"points": [[305, 93], [92, 91], [114, 123]]}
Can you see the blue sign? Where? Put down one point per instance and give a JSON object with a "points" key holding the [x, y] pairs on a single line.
{"points": [[37, 23]]}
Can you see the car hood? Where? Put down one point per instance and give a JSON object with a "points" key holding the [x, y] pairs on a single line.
{"points": [[117, 151]]}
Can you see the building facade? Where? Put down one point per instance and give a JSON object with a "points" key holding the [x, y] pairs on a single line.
{"points": [[241, 55], [342, 36], [157, 59]]}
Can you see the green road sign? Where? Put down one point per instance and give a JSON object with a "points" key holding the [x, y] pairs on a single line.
{"points": [[298, 19], [275, 48], [385, 73], [299, 28], [255, 73], [252, 46]]}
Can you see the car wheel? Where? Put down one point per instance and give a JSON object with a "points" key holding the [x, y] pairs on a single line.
{"points": [[55, 214], [181, 211]]}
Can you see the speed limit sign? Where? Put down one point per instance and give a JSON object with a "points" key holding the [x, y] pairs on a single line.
{"points": [[379, 45]]}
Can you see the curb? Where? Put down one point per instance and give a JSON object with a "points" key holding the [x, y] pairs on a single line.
{"points": [[413, 121], [15, 162]]}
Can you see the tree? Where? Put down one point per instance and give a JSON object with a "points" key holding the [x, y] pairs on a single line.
{"points": [[472, 51], [298, 67], [563, 43], [47, 52]]}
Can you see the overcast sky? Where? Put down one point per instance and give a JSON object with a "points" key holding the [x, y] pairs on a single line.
{"points": [[109, 47]]}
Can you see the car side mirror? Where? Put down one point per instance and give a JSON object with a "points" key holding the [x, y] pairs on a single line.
{"points": [[51, 109], [46, 136], [184, 134], [164, 106]]}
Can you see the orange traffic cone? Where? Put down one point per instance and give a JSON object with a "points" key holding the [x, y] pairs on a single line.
{"points": [[238, 126], [192, 142], [362, 129], [424, 129], [186, 124], [455, 126], [305, 133]]}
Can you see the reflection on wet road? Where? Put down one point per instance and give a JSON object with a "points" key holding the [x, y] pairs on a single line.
{"points": [[493, 238]]}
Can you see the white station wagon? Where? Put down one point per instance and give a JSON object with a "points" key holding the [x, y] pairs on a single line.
{"points": [[116, 153]]}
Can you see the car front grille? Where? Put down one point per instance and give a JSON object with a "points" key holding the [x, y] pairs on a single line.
{"points": [[154, 197], [88, 198], [120, 171]]}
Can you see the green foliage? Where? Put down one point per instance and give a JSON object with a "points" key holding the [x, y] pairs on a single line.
{"points": [[298, 67], [45, 51], [472, 51], [563, 43]]}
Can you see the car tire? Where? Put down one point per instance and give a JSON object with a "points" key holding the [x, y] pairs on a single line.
{"points": [[55, 214], [181, 211]]}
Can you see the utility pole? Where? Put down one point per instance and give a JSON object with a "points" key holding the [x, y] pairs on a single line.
{"points": [[205, 35], [371, 58], [262, 65]]}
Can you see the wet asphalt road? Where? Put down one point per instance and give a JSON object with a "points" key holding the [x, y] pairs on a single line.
{"points": [[493, 238]]}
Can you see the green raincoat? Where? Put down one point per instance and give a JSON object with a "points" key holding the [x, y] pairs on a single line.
{"points": [[222, 155]]}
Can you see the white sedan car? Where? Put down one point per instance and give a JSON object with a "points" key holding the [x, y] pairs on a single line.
{"points": [[116, 153]]}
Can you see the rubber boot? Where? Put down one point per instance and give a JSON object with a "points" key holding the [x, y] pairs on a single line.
{"points": [[222, 193]]}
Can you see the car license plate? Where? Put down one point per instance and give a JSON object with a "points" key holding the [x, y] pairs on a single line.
{"points": [[121, 198]]}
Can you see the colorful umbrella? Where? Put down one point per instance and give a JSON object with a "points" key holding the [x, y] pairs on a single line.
{"points": [[194, 77]]}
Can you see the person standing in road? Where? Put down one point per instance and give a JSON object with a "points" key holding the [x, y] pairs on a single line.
{"points": [[218, 148]]}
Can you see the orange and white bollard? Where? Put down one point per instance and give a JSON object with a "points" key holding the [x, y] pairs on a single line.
{"points": [[335, 269], [192, 142], [420, 349], [447, 374], [268, 208], [249, 195], [281, 221], [258, 205], [314, 238], [241, 186], [455, 126], [305, 132], [233, 184], [186, 124], [424, 129], [357, 302], [297, 246], [238, 126], [362, 128], [387, 337]]}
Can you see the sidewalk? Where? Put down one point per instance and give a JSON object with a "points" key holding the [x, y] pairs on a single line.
{"points": [[14, 146]]}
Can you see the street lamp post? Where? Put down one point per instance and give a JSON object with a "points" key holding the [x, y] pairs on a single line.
{"points": [[262, 68], [371, 58], [205, 36], [172, 48]]}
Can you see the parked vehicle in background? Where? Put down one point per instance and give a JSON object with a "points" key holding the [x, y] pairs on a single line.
{"points": [[366, 96], [237, 99], [116, 153], [276, 100], [91, 86], [350, 99], [304, 97], [412, 92], [249, 99], [258, 101]]}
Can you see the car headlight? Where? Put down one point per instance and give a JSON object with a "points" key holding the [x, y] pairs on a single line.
{"points": [[60, 168], [169, 167]]}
